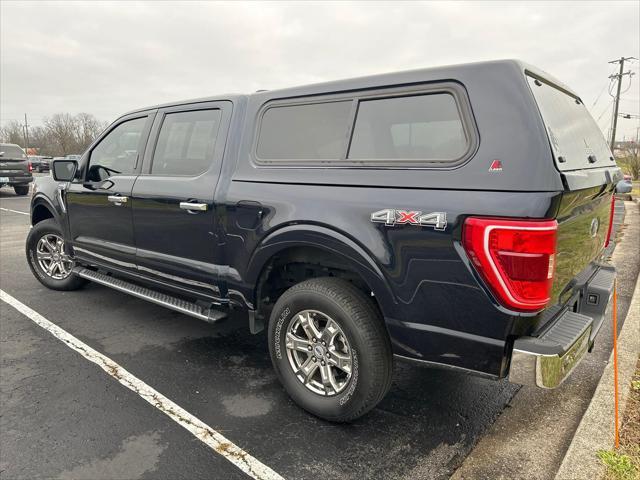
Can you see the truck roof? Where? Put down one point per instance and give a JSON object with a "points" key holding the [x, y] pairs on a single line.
{"points": [[421, 75]]}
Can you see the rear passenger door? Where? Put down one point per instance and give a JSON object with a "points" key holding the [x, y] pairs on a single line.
{"points": [[173, 198]]}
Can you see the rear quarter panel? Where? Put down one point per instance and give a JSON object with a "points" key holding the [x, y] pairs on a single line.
{"points": [[434, 308]]}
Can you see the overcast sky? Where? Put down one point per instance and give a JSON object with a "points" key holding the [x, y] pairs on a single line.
{"points": [[108, 58]]}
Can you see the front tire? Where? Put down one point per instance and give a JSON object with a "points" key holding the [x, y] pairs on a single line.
{"points": [[21, 189], [47, 259], [330, 349]]}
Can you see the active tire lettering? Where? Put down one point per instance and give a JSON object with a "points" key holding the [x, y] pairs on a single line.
{"points": [[285, 313]]}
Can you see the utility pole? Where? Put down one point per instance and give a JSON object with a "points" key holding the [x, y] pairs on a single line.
{"points": [[616, 103], [26, 135]]}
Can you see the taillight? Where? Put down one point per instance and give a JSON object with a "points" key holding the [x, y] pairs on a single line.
{"points": [[516, 258], [613, 207], [30, 167]]}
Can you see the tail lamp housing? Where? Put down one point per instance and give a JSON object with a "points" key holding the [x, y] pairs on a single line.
{"points": [[515, 258]]}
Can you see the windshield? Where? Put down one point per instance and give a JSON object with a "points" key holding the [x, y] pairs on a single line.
{"points": [[573, 134], [12, 151]]}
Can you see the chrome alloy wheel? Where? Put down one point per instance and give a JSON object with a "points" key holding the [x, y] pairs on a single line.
{"points": [[319, 353], [52, 259]]}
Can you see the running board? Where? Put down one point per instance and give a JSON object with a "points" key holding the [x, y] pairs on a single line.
{"points": [[173, 303]]}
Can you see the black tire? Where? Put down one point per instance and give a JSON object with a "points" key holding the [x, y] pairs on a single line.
{"points": [[21, 189], [39, 230], [363, 327]]}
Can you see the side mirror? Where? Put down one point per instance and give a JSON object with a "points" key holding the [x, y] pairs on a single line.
{"points": [[64, 170]]}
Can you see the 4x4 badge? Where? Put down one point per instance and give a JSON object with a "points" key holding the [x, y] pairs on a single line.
{"points": [[391, 217]]}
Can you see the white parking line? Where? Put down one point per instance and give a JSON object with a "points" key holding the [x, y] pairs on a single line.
{"points": [[241, 459], [13, 211]]}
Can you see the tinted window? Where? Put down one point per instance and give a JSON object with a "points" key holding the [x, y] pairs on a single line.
{"points": [[12, 151], [573, 133], [117, 153], [186, 143], [304, 132], [426, 127]]}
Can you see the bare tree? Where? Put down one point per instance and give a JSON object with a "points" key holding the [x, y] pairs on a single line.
{"points": [[12, 132], [88, 128], [631, 159], [62, 128], [61, 134]]}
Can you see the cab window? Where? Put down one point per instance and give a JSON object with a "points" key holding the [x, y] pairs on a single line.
{"points": [[186, 143], [117, 153]]}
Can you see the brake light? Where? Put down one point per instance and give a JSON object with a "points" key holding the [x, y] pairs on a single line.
{"points": [[30, 167], [613, 207], [516, 258]]}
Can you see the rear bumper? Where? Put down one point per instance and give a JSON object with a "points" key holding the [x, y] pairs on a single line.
{"points": [[16, 180], [548, 359]]}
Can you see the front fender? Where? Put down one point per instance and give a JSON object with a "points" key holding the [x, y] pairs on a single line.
{"points": [[40, 199], [327, 239]]}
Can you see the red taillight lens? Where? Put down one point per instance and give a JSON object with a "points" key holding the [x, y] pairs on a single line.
{"points": [[30, 167], [515, 257], [613, 207]]}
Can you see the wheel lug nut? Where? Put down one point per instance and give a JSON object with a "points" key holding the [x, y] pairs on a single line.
{"points": [[315, 359], [324, 343], [323, 364], [309, 348]]}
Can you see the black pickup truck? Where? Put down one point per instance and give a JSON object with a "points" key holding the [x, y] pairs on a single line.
{"points": [[454, 217], [15, 168]]}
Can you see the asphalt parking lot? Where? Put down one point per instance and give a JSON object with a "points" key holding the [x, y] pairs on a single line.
{"points": [[63, 417]]}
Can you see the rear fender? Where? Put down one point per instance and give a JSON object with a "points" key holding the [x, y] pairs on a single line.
{"points": [[323, 238]]}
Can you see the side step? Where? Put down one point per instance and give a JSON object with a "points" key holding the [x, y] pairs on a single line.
{"points": [[179, 305]]}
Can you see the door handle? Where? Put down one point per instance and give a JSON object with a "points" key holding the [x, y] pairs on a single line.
{"points": [[193, 207], [117, 199]]}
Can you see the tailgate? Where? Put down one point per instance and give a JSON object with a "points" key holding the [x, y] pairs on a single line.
{"points": [[583, 225], [12, 167]]}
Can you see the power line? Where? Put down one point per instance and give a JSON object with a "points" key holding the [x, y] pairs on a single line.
{"points": [[606, 109], [618, 77]]}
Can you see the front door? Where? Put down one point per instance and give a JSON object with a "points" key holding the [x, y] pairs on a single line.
{"points": [[99, 204], [173, 198]]}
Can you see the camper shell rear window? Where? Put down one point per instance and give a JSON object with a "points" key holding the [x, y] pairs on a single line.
{"points": [[575, 138]]}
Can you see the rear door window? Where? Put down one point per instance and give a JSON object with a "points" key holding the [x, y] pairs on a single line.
{"points": [[186, 143], [417, 127], [575, 138]]}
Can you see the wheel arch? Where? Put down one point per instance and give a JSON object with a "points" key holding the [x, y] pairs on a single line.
{"points": [[42, 209], [316, 243]]}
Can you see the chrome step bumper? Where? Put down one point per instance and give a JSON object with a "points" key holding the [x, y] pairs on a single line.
{"points": [[173, 303], [547, 360]]}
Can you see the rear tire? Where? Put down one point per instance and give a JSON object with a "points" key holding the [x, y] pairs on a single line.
{"points": [[46, 258], [362, 349], [21, 189]]}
